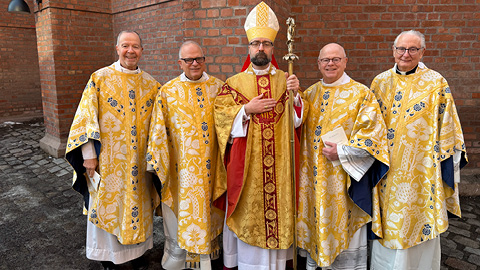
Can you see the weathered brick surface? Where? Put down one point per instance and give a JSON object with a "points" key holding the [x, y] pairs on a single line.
{"points": [[73, 41], [367, 32], [19, 75], [76, 37]]}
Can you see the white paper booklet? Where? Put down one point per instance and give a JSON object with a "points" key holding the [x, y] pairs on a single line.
{"points": [[335, 136], [94, 181]]}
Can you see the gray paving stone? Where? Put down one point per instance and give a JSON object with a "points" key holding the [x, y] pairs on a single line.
{"points": [[18, 167], [447, 244], [62, 172], [28, 162], [467, 242], [42, 224], [468, 215], [58, 161], [474, 222], [475, 259], [14, 162], [4, 167], [23, 152], [34, 166], [42, 162], [37, 157], [454, 263], [466, 207], [54, 169], [15, 150], [456, 230], [472, 250], [455, 254], [39, 170]]}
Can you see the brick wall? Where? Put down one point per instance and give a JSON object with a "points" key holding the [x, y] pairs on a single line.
{"points": [[367, 29], [76, 39], [19, 75], [73, 41], [160, 27], [216, 25]]}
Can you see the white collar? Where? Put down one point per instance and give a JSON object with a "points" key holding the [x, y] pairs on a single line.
{"points": [[260, 72], [421, 65], [119, 67], [342, 80], [204, 78]]}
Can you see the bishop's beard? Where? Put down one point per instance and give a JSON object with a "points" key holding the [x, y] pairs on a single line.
{"points": [[260, 59]]}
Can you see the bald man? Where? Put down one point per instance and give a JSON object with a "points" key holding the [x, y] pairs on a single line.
{"points": [[343, 159]]}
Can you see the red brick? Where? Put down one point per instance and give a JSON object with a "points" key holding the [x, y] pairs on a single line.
{"points": [[240, 12], [233, 40], [349, 9], [207, 24], [366, 28], [213, 32], [374, 8], [213, 13], [226, 12], [212, 3], [200, 14], [432, 24]]}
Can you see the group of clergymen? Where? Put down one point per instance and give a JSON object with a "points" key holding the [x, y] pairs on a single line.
{"points": [[214, 158]]}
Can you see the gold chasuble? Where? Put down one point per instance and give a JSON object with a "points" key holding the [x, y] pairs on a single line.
{"points": [[332, 205], [183, 150], [424, 133], [260, 196], [115, 112]]}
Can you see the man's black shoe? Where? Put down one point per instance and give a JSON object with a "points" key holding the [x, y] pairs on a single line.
{"points": [[109, 266], [140, 263]]}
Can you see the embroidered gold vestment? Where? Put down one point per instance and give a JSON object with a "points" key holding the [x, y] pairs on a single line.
{"points": [[263, 214], [183, 150], [333, 206], [424, 132], [115, 112]]}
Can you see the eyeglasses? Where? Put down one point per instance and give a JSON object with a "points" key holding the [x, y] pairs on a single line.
{"points": [[411, 51], [256, 44], [189, 61], [325, 61]]}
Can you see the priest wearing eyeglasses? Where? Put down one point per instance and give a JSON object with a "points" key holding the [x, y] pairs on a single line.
{"points": [[427, 150], [253, 123], [183, 151], [344, 156]]}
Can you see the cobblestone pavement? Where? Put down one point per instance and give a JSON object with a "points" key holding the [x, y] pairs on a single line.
{"points": [[42, 226]]}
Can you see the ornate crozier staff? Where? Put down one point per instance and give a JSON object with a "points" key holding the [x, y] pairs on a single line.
{"points": [[290, 58]]}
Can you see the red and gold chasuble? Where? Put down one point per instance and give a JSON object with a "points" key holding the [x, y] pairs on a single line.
{"points": [[260, 207]]}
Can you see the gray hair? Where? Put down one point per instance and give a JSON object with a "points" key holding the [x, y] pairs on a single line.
{"points": [[187, 43], [128, 31], [412, 32]]}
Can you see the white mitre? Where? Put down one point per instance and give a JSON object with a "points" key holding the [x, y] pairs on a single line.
{"points": [[261, 22]]}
